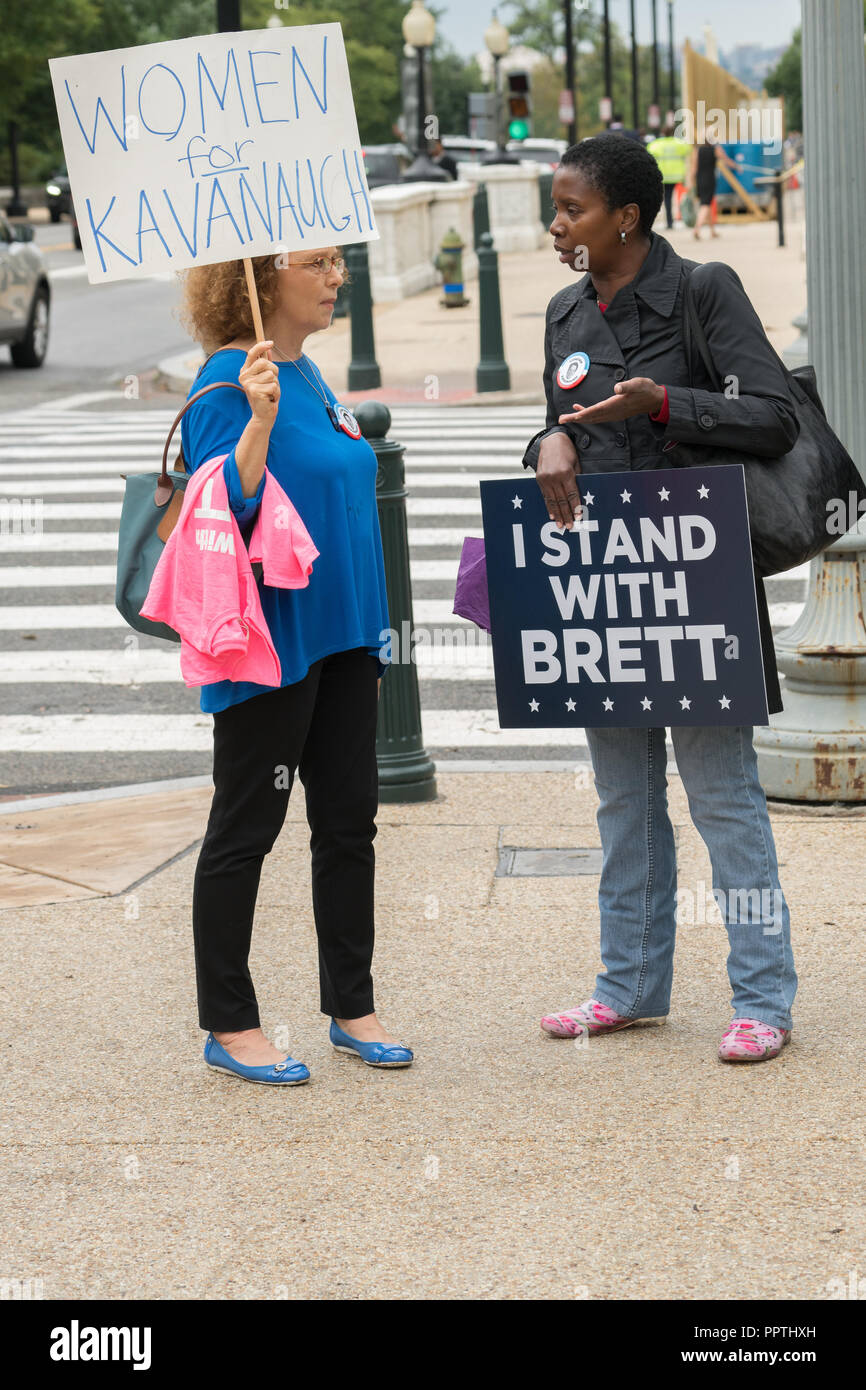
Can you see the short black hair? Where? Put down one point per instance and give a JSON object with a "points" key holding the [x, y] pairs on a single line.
{"points": [[622, 171]]}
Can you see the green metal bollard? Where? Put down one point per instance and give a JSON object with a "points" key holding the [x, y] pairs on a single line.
{"points": [[545, 196], [480, 214], [364, 373], [341, 308], [449, 263], [406, 773], [492, 372]]}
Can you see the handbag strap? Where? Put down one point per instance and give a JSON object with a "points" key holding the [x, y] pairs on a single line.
{"points": [[164, 486], [694, 335]]}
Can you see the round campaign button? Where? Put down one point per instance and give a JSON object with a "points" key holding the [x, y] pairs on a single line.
{"points": [[572, 370], [347, 422]]}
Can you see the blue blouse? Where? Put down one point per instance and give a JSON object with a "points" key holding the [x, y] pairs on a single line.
{"points": [[331, 481]]}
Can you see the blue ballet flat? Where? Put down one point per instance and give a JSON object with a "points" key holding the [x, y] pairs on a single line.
{"points": [[375, 1054], [287, 1073]]}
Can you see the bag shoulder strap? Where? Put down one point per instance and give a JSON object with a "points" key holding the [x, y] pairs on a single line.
{"points": [[164, 486], [693, 333]]}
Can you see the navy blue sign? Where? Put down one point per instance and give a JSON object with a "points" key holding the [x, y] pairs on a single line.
{"points": [[643, 615]]}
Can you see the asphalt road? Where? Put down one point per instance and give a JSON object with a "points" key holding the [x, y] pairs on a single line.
{"points": [[91, 345]]}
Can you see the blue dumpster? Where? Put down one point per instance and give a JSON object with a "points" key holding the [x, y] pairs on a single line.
{"points": [[752, 160]]}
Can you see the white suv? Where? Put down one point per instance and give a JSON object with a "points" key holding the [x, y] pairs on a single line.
{"points": [[25, 295]]}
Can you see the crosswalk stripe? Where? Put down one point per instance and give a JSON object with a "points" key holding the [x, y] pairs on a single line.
{"points": [[151, 733], [83, 541], [132, 665], [56, 576], [151, 463], [41, 617], [72, 485], [415, 506]]}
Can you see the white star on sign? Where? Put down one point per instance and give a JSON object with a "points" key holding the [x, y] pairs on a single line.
{"points": [[517, 501], [570, 705], [685, 704], [608, 704], [533, 705], [703, 490], [626, 496], [588, 498], [664, 494], [725, 702], [645, 703]]}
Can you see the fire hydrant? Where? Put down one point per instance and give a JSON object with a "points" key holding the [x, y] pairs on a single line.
{"points": [[449, 263]]}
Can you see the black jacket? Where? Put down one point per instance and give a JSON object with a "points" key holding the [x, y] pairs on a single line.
{"points": [[641, 334]]}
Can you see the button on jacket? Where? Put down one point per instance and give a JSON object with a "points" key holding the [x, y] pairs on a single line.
{"points": [[641, 335]]}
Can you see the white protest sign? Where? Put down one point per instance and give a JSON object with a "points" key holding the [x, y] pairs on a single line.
{"points": [[212, 149]]}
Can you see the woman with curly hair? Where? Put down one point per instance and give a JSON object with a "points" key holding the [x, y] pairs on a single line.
{"points": [[321, 720], [621, 393]]}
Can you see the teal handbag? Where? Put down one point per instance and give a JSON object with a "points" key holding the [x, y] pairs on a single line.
{"points": [[688, 211], [151, 507]]}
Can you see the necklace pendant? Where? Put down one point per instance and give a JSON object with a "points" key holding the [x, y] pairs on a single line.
{"points": [[332, 416], [347, 422]]}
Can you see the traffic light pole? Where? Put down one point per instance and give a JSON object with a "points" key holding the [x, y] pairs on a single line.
{"points": [[569, 71]]}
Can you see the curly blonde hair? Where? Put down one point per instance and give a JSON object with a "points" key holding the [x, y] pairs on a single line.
{"points": [[216, 307]]}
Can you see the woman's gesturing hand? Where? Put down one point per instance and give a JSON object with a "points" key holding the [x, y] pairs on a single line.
{"points": [[557, 465], [261, 382], [637, 396]]}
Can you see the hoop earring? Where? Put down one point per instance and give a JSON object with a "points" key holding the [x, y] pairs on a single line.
{"points": [[622, 236]]}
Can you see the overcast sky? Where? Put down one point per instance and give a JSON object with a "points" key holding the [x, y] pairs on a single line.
{"points": [[769, 23]]}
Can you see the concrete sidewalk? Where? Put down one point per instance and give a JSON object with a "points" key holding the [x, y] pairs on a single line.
{"points": [[504, 1164], [427, 352]]}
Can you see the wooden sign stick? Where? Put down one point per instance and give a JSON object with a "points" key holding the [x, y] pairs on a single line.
{"points": [[254, 300]]}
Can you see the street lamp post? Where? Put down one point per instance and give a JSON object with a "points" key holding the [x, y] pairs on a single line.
{"points": [[815, 750], [635, 113], [608, 66], [656, 98], [419, 30], [497, 39], [569, 71], [672, 94]]}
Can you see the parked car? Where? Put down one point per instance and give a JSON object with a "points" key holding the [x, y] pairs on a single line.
{"points": [[385, 163], [57, 196], [25, 295], [539, 151], [466, 149]]}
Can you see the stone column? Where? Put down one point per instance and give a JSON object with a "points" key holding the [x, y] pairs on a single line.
{"points": [[816, 749]]}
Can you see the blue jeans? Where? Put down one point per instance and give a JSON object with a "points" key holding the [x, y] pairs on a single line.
{"points": [[638, 890]]}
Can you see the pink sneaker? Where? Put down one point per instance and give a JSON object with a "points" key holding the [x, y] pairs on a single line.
{"points": [[591, 1017], [749, 1040]]}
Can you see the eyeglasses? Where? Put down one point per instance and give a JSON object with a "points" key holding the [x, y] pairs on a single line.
{"points": [[322, 264]]}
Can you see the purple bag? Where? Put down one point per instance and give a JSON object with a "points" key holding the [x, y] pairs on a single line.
{"points": [[470, 597]]}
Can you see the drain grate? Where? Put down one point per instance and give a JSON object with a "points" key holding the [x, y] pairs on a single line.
{"points": [[517, 862]]}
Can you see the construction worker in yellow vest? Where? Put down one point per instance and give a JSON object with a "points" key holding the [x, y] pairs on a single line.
{"points": [[671, 155]]}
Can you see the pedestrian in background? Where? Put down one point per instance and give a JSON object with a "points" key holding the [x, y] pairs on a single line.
{"points": [[636, 396], [672, 156], [702, 178], [321, 720], [445, 160]]}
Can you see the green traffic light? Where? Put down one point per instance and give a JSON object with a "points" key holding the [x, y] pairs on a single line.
{"points": [[518, 130]]}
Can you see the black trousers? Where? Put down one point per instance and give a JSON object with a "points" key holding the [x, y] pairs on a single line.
{"points": [[323, 727], [669, 204]]}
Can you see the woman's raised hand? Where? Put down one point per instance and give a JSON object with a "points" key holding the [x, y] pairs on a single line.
{"points": [[261, 382], [558, 465]]}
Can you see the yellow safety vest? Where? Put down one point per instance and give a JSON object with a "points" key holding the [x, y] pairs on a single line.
{"points": [[670, 155]]}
